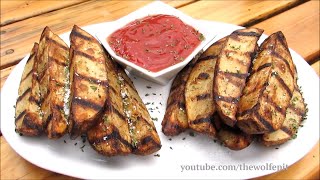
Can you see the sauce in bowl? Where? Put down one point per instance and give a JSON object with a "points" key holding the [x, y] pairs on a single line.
{"points": [[155, 42]]}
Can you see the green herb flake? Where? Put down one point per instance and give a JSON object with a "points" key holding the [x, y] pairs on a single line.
{"points": [[192, 134], [94, 88], [134, 142], [201, 37], [105, 119], [236, 47], [157, 155]]}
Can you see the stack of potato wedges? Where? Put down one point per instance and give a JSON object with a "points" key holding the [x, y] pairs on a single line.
{"points": [[237, 92], [81, 90]]}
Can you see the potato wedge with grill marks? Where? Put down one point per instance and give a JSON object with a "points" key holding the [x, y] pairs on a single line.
{"points": [[231, 137], [231, 71], [200, 106], [88, 78], [144, 137], [126, 126], [262, 107], [111, 135], [175, 118], [294, 116], [52, 70], [28, 119]]}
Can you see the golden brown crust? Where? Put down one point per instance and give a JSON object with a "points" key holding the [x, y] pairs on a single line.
{"points": [[111, 136], [269, 89], [27, 113], [231, 137], [88, 78], [175, 119], [144, 137], [56, 79], [200, 106], [126, 126], [231, 71], [294, 116]]}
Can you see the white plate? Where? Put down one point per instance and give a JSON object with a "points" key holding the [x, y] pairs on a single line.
{"points": [[67, 158]]}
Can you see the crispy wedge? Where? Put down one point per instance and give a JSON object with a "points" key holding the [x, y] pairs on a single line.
{"points": [[126, 125], [262, 108], [231, 137], [200, 106], [294, 116], [111, 135], [231, 71], [144, 137], [88, 78], [53, 57], [175, 118], [28, 119]]}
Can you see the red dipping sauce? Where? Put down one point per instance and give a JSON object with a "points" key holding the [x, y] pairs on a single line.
{"points": [[155, 42]]}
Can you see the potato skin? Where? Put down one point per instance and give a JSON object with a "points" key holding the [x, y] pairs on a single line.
{"points": [[175, 120], [200, 105], [269, 89], [231, 137], [294, 116], [126, 126], [231, 71], [28, 119], [88, 78]]}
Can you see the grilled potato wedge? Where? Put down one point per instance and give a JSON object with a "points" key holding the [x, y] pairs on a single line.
{"points": [[262, 108], [231, 137], [175, 118], [53, 57], [28, 119], [126, 125], [200, 106], [231, 71], [111, 135], [88, 78], [294, 116], [144, 137]]}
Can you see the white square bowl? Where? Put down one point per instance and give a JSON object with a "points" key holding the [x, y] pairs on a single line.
{"points": [[161, 77]]}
